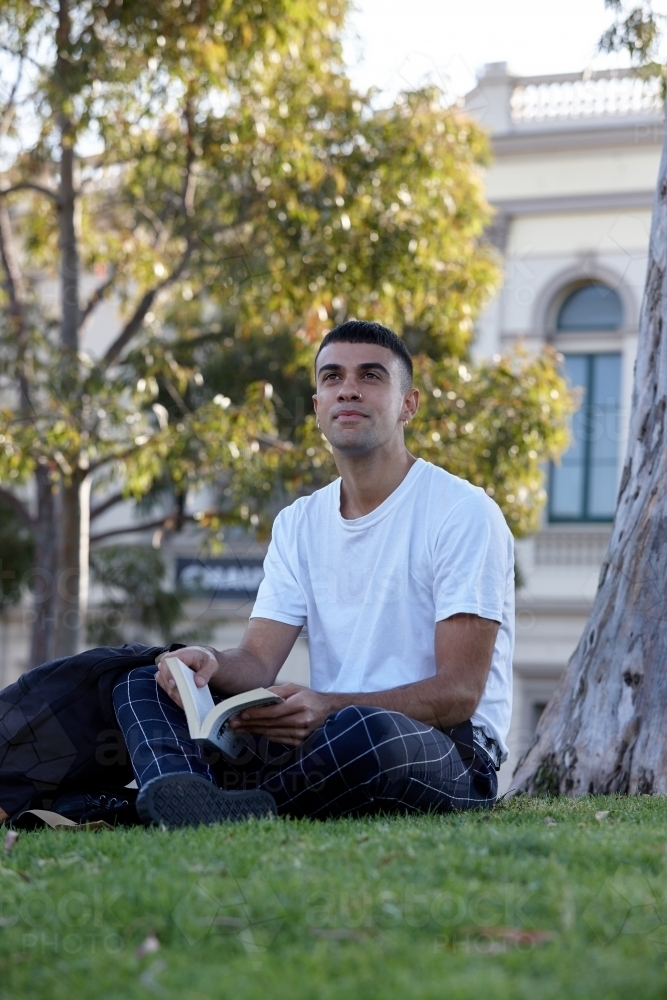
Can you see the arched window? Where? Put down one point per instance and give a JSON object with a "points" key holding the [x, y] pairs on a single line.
{"points": [[583, 487], [590, 307]]}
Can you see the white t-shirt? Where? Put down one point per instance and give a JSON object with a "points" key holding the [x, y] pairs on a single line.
{"points": [[370, 590]]}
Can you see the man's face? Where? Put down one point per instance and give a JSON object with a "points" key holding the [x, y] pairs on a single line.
{"points": [[360, 401]]}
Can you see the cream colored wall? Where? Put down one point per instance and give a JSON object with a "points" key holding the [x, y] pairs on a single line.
{"points": [[572, 172], [580, 232]]}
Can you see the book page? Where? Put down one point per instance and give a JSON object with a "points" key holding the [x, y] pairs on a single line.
{"points": [[197, 701], [216, 724]]}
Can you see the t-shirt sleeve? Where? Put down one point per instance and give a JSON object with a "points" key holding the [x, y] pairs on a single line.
{"points": [[280, 596], [473, 561]]}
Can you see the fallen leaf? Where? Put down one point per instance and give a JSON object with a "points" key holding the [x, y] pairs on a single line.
{"points": [[602, 815], [388, 858], [148, 946], [95, 826], [10, 839], [550, 821], [17, 873]]}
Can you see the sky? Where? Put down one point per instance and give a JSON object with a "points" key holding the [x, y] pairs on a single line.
{"points": [[392, 44]]}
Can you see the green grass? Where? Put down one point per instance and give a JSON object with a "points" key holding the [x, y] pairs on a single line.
{"points": [[537, 899]]}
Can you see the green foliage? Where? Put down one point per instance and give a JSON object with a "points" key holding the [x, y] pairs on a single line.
{"points": [[494, 424], [17, 548], [536, 899], [136, 602], [637, 29], [237, 197]]}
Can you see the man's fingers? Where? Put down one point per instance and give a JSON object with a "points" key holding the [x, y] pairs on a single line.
{"points": [[267, 712], [168, 685], [199, 658], [286, 690]]}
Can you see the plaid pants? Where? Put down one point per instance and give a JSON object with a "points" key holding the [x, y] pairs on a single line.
{"points": [[363, 760]]}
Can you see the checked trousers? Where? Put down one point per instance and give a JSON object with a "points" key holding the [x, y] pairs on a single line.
{"points": [[363, 760]]}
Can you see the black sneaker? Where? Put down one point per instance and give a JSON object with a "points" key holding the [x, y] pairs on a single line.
{"points": [[115, 807], [179, 799]]}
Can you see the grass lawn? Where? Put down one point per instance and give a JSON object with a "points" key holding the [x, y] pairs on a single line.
{"points": [[537, 899]]}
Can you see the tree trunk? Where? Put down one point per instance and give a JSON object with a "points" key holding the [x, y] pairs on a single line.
{"points": [[45, 573], [604, 728], [69, 514]]}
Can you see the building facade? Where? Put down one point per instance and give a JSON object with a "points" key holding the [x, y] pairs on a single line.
{"points": [[576, 160]]}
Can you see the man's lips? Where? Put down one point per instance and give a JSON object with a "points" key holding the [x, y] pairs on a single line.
{"points": [[348, 414]]}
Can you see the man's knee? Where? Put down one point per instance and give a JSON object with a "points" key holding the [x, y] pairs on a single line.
{"points": [[135, 683], [366, 730]]}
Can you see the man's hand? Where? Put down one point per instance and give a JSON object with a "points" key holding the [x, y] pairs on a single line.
{"points": [[301, 713], [201, 659]]}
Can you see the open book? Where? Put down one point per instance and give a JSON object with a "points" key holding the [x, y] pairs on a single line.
{"points": [[209, 723]]}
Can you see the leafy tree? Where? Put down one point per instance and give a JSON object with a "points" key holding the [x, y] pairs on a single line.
{"points": [[212, 164], [604, 729]]}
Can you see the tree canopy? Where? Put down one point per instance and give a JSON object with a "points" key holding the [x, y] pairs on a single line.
{"points": [[208, 167]]}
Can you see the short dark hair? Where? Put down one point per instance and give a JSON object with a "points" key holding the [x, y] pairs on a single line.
{"points": [[360, 331]]}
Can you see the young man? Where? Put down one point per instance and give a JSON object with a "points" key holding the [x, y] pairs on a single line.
{"points": [[404, 577]]}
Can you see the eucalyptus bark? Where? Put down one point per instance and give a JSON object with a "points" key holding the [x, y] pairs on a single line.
{"points": [[604, 728], [69, 515]]}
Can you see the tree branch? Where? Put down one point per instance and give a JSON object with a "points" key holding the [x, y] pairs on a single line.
{"points": [[163, 522], [135, 322], [17, 506], [106, 505], [29, 186], [95, 299], [190, 179]]}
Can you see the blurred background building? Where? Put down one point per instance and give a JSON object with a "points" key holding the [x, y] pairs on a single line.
{"points": [[576, 160]]}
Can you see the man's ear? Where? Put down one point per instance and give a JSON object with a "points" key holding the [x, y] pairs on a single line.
{"points": [[411, 403]]}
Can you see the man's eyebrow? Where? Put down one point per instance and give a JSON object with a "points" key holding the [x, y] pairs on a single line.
{"points": [[370, 365], [364, 366]]}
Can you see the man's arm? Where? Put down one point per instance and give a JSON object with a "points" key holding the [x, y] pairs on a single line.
{"points": [[463, 650], [255, 663]]}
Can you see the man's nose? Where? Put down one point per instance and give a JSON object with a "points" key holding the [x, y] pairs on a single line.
{"points": [[349, 389]]}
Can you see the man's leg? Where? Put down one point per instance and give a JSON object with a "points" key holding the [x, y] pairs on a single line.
{"points": [[177, 785], [363, 760], [155, 729], [366, 760]]}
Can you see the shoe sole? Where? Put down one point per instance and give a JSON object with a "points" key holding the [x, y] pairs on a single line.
{"points": [[175, 800]]}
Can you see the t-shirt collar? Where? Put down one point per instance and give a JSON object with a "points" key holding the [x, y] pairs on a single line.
{"points": [[357, 523]]}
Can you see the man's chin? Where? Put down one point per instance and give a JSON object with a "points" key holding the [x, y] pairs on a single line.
{"points": [[353, 445]]}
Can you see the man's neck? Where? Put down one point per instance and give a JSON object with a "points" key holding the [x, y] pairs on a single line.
{"points": [[368, 480]]}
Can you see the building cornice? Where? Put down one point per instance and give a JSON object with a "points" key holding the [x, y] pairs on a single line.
{"points": [[557, 204], [636, 132]]}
